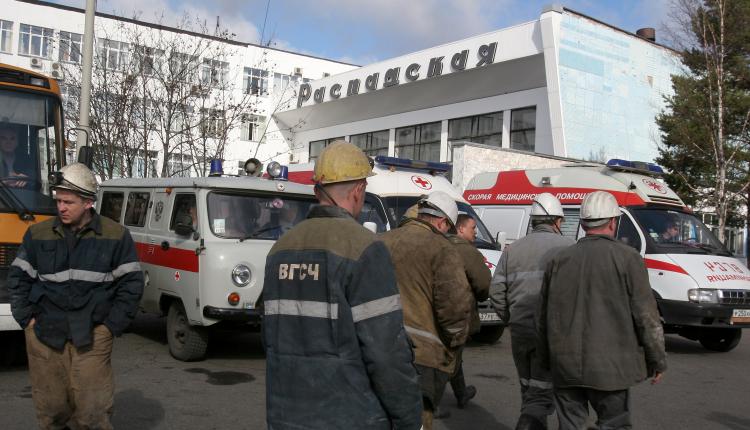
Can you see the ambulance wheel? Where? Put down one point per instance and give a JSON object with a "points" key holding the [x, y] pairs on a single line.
{"points": [[489, 334], [720, 339], [186, 342]]}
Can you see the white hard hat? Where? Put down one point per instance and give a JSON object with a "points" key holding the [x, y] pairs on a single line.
{"points": [[599, 205], [77, 178], [439, 204], [545, 204]]}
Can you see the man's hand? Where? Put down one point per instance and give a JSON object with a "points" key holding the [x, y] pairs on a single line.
{"points": [[31, 323], [656, 378]]}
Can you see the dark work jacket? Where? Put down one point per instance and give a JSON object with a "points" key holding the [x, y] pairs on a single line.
{"points": [[477, 273], [337, 354], [598, 325], [69, 291]]}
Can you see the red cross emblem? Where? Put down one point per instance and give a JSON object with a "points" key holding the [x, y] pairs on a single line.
{"points": [[487, 262], [421, 182], [655, 185], [177, 276]]}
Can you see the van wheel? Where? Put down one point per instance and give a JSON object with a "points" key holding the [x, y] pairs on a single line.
{"points": [[186, 342], [489, 334], [720, 339]]}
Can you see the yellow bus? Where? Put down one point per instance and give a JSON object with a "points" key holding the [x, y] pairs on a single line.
{"points": [[31, 146]]}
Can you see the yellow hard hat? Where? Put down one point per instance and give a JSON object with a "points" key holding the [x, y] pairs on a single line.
{"points": [[340, 162]]}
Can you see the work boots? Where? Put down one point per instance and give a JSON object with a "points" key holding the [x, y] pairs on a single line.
{"points": [[468, 394]]}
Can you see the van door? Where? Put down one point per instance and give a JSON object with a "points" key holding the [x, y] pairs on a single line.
{"points": [[181, 257]]}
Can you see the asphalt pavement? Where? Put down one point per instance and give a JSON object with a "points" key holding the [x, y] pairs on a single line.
{"points": [[701, 389]]}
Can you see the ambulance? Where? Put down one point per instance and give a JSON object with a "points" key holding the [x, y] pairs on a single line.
{"points": [[702, 291], [202, 243], [397, 185]]}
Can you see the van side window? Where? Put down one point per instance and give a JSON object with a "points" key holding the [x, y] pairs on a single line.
{"points": [[184, 207], [112, 205], [135, 211], [569, 227], [628, 234]]}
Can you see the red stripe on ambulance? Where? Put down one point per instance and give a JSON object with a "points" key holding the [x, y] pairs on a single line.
{"points": [[662, 265], [173, 258]]}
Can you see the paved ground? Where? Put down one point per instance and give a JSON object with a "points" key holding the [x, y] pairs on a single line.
{"points": [[702, 390]]}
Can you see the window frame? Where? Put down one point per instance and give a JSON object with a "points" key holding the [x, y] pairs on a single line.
{"points": [[68, 47], [255, 81], [105, 196], [6, 36], [516, 131], [129, 210], [418, 144], [46, 36]]}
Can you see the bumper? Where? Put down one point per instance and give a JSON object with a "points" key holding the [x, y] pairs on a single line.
{"points": [[681, 313], [487, 314], [232, 314]]}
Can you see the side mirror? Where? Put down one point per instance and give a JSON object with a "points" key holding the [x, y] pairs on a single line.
{"points": [[500, 238], [184, 225], [370, 226]]}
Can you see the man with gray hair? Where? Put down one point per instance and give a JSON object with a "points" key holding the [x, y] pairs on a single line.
{"points": [[514, 293], [599, 328]]}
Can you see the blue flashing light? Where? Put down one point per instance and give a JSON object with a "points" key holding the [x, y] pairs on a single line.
{"points": [[216, 168], [412, 164], [635, 166]]}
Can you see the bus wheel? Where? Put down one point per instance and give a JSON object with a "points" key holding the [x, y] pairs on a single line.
{"points": [[720, 339], [186, 342], [489, 334]]}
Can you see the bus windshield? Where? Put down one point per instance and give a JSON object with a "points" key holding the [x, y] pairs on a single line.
{"points": [[27, 150], [675, 232], [244, 216], [397, 206]]}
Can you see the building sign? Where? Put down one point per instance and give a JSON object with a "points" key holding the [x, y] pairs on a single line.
{"points": [[459, 61]]}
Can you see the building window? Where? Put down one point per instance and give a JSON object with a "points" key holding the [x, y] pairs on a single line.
{"points": [[419, 142], [148, 59], [183, 67], [178, 165], [35, 41], [70, 47], [523, 128], [6, 35], [256, 81], [282, 82], [113, 55], [486, 129], [139, 169], [251, 127], [375, 143], [316, 146], [213, 123], [214, 72], [70, 96]]}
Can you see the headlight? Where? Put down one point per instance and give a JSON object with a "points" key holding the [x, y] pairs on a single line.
{"points": [[703, 295], [241, 275]]}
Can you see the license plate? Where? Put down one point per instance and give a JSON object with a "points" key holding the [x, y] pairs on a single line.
{"points": [[490, 316], [741, 316]]}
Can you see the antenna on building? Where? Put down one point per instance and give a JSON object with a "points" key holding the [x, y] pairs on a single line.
{"points": [[263, 30]]}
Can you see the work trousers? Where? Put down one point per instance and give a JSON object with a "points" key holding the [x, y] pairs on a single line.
{"points": [[536, 382], [74, 385], [612, 408], [432, 382], [458, 383]]}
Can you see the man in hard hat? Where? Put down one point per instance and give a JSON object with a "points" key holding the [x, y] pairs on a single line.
{"points": [[514, 293], [599, 327], [478, 275], [337, 354], [74, 285], [436, 295]]}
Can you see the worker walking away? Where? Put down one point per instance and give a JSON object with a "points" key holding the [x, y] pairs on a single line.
{"points": [[436, 296], [337, 354], [478, 275], [514, 294], [75, 283], [599, 327]]}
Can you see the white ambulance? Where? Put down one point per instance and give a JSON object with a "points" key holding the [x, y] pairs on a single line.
{"points": [[203, 243], [702, 291], [397, 185]]}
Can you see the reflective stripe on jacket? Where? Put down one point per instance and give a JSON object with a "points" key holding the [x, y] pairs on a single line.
{"points": [[69, 290], [337, 354], [436, 296], [599, 326], [518, 276]]}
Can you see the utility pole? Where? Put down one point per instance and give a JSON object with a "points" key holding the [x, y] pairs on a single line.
{"points": [[86, 155]]}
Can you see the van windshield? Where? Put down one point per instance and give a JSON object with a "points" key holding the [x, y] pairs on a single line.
{"points": [[242, 216], [675, 232], [397, 206]]}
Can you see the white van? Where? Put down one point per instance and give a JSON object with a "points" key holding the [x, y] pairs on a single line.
{"points": [[203, 243], [703, 293], [397, 185]]}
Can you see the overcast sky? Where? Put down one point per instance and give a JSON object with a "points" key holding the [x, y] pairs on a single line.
{"points": [[362, 31]]}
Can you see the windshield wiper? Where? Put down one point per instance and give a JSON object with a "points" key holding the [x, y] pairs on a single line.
{"points": [[14, 202], [257, 233], [713, 249]]}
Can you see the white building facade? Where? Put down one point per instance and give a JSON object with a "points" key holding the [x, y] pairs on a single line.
{"points": [[565, 85], [47, 37]]}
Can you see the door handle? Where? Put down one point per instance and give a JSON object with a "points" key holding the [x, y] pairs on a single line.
{"points": [[165, 245]]}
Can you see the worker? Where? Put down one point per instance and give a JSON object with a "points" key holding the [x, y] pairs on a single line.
{"points": [[74, 285], [478, 275], [514, 294], [337, 354], [436, 295], [599, 327]]}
